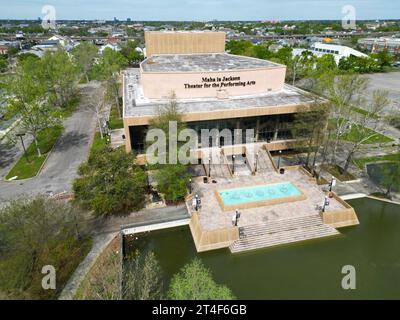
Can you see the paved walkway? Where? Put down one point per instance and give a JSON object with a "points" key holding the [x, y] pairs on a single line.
{"points": [[69, 152]]}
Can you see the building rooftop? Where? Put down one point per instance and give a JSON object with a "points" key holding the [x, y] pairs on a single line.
{"points": [[136, 105], [203, 62]]}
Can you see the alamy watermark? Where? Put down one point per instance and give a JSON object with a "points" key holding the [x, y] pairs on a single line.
{"points": [[49, 280], [349, 280], [49, 18], [177, 147], [349, 18]]}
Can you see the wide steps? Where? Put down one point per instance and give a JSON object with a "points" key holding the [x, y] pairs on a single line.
{"points": [[281, 232], [279, 226]]}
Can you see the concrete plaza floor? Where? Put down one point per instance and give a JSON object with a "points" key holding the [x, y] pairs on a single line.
{"points": [[212, 217]]}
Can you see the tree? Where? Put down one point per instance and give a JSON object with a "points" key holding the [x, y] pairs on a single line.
{"points": [[344, 92], [110, 182], [60, 75], [366, 124], [84, 55], [27, 100], [107, 70], [142, 278], [309, 129], [166, 115], [130, 52], [34, 233], [172, 181], [300, 65], [96, 104], [195, 282]]}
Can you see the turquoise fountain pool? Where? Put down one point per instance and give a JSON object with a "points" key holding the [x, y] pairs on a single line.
{"points": [[259, 193]]}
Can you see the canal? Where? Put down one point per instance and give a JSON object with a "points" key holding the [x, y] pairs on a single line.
{"points": [[310, 270]]}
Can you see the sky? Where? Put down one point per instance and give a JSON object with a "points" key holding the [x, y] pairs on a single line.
{"points": [[200, 10]]}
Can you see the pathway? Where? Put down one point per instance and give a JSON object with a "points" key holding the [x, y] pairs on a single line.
{"points": [[69, 152]]}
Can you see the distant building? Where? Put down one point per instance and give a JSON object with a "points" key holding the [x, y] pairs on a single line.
{"points": [[379, 44], [109, 46], [3, 49], [338, 52]]}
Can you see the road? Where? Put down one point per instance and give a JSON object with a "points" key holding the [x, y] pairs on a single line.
{"points": [[69, 152]]}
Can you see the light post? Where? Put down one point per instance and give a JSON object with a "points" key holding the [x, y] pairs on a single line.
{"points": [[190, 186], [279, 159], [332, 184], [20, 135], [209, 167], [326, 203], [255, 167], [237, 216], [233, 163]]}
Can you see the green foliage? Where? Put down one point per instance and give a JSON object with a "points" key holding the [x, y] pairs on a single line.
{"points": [[110, 183], [60, 75], [172, 181], [107, 70], [84, 55], [28, 166], [142, 278], [359, 64], [195, 282], [110, 63], [34, 233], [28, 100], [24, 56], [309, 129], [130, 53], [3, 63]]}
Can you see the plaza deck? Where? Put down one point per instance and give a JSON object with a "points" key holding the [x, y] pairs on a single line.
{"points": [[291, 221]]}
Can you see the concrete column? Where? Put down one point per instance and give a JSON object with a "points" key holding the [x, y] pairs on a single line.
{"points": [[257, 129], [128, 147], [276, 129]]}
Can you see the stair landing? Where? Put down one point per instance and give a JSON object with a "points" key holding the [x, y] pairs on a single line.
{"points": [[281, 232]]}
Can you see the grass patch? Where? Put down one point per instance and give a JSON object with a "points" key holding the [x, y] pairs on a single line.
{"points": [[361, 162], [67, 110], [115, 121], [363, 112], [354, 135], [337, 172], [24, 169], [98, 143]]}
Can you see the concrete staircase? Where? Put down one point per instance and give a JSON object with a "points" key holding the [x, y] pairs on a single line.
{"points": [[281, 232], [264, 162]]}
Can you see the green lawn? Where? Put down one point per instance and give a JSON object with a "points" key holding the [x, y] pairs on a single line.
{"points": [[361, 162], [24, 169], [115, 122], [67, 110], [98, 143], [362, 111], [354, 135]]}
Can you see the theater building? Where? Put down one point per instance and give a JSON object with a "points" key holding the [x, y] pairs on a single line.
{"points": [[213, 89], [216, 90]]}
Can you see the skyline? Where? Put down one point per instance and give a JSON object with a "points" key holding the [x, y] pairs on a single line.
{"points": [[196, 10]]}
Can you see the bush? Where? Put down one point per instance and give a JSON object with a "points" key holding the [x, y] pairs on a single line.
{"points": [[110, 182], [195, 282], [35, 233], [172, 181]]}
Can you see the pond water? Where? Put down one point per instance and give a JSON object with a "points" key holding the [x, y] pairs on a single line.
{"points": [[309, 270], [379, 173]]}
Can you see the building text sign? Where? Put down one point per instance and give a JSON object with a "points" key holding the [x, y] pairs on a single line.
{"points": [[219, 82]]}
